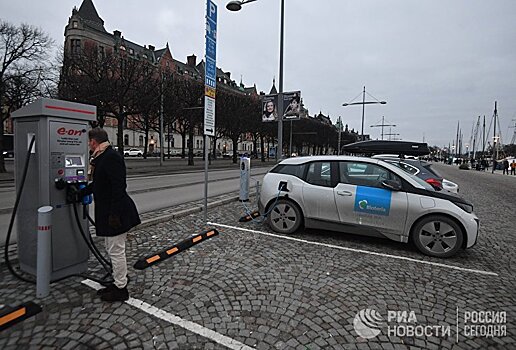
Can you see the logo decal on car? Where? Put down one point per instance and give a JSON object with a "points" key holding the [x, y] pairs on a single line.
{"points": [[373, 200]]}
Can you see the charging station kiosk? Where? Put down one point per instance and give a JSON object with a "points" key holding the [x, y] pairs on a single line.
{"points": [[59, 158]]}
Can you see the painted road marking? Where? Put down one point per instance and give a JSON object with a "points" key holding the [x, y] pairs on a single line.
{"points": [[358, 250], [178, 321]]}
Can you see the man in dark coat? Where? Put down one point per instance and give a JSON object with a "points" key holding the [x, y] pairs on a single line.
{"points": [[115, 211]]}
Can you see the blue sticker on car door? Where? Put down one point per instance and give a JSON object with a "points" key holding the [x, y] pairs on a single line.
{"points": [[372, 200]]}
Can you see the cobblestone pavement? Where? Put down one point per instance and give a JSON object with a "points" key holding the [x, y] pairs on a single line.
{"points": [[269, 292]]}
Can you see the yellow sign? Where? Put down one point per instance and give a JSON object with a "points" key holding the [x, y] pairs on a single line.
{"points": [[209, 91]]}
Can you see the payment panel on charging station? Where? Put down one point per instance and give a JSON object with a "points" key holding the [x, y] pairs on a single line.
{"points": [[59, 159]]}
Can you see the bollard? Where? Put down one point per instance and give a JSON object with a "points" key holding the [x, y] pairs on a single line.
{"points": [[44, 256]]}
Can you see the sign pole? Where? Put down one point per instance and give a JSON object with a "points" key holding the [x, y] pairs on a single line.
{"points": [[210, 85]]}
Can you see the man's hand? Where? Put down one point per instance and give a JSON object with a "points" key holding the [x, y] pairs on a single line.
{"points": [[114, 221]]}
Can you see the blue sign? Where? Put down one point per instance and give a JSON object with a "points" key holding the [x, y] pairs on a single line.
{"points": [[211, 11], [211, 69], [211, 49], [372, 200], [210, 82]]}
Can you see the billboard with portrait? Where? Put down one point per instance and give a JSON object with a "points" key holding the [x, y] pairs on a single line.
{"points": [[291, 105], [269, 108]]}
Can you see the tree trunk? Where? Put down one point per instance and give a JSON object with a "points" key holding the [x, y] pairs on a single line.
{"points": [[183, 144], [120, 133], [235, 149], [262, 146], [2, 162]]}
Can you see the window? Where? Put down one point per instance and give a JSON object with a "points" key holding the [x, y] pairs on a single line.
{"points": [[131, 51], [295, 170], [140, 141], [75, 24], [197, 143], [406, 167], [364, 174], [101, 52], [75, 46], [126, 140], [319, 173]]}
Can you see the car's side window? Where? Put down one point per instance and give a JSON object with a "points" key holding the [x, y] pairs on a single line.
{"points": [[364, 174], [406, 167], [319, 173], [296, 170]]}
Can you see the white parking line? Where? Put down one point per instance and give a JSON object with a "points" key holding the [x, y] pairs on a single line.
{"points": [[178, 321], [357, 250]]}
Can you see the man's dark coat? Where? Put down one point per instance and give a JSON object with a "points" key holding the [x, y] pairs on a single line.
{"points": [[115, 211]]}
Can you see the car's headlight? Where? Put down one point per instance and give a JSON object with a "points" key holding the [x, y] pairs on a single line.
{"points": [[466, 207]]}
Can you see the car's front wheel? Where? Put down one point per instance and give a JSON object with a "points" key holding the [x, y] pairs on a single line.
{"points": [[437, 235], [285, 217]]}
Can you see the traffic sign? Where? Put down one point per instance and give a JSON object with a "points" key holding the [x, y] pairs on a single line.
{"points": [[209, 116]]}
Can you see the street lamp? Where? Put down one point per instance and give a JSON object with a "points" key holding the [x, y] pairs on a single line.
{"points": [[236, 6], [363, 103]]}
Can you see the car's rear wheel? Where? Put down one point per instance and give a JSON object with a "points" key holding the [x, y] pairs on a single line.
{"points": [[285, 217], [437, 235]]}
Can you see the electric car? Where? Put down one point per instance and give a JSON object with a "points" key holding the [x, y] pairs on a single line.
{"points": [[366, 196]]}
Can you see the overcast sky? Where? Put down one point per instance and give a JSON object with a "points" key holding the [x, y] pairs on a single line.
{"points": [[435, 62]]}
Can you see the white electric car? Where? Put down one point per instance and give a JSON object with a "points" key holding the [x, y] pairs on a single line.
{"points": [[366, 196]]}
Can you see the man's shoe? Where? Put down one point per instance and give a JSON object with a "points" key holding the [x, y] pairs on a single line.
{"points": [[115, 294], [105, 289]]}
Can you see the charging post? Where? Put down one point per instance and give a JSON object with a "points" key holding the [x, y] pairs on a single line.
{"points": [[245, 178], [58, 161]]}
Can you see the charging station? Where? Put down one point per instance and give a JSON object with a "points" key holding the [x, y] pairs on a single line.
{"points": [[58, 162]]}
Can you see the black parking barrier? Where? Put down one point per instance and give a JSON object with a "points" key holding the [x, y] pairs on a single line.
{"points": [[13, 315], [154, 259], [250, 216]]}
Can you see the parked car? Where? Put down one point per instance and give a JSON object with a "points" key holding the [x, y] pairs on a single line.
{"points": [[8, 154], [133, 152], [421, 169], [366, 196]]}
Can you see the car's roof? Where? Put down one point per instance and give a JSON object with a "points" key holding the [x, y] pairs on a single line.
{"points": [[306, 159]]}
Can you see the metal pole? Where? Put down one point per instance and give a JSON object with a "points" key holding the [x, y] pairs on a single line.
{"points": [[290, 150], [206, 150], [363, 114], [279, 151], [340, 129], [44, 253]]}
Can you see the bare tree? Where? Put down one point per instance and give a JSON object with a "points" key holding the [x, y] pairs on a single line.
{"points": [[24, 62]]}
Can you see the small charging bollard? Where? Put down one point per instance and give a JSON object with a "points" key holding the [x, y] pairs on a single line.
{"points": [[245, 178], [44, 253]]}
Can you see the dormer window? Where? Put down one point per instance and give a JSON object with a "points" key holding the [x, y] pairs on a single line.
{"points": [[131, 51], [75, 24], [145, 55], [122, 47]]}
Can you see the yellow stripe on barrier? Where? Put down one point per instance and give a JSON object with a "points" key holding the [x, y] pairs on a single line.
{"points": [[13, 315], [172, 251], [153, 259], [197, 239]]}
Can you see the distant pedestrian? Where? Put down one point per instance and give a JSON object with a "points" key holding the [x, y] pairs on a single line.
{"points": [[505, 165], [495, 163], [513, 167]]}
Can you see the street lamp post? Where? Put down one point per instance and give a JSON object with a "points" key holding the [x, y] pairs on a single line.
{"points": [[237, 6], [363, 103]]}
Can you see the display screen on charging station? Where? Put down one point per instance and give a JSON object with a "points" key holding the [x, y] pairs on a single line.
{"points": [[74, 167]]}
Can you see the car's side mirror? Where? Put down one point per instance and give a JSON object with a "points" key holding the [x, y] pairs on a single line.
{"points": [[391, 185]]}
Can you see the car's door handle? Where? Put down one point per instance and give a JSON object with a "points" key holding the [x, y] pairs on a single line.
{"points": [[344, 193]]}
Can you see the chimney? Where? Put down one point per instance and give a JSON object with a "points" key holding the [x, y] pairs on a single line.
{"points": [[191, 60], [151, 47], [228, 74], [117, 33]]}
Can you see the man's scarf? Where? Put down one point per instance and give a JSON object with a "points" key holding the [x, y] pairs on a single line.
{"points": [[97, 152]]}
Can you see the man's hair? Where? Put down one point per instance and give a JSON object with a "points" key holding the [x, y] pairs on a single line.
{"points": [[98, 134]]}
